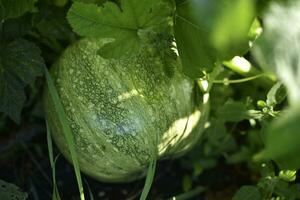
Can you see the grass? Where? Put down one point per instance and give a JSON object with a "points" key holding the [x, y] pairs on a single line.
{"points": [[66, 130], [55, 193]]}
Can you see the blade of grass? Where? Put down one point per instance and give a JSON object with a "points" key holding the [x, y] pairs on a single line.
{"points": [[66, 129], [189, 194], [90, 191], [149, 178], [55, 194]]}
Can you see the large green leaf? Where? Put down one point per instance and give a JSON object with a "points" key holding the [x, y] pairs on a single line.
{"points": [[20, 63], [16, 27], [126, 25], [210, 31], [278, 49], [9, 191], [15, 8], [282, 140]]}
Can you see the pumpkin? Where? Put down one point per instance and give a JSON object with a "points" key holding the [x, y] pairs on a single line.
{"points": [[122, 111]]}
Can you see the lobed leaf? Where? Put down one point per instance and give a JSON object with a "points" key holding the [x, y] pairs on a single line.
{"points": [[9, 191], [125, 25], [20, 64]]}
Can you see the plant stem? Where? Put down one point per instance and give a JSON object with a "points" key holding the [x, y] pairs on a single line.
{"points": [[226, 81], [244, 68]]}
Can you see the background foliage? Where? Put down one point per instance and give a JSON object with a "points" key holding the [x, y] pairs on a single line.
{"points": [[247, 52]]}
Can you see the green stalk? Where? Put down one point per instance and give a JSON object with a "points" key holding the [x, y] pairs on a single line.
{"points": [[55, 193], [149, 178], [150, 172], [190, 194], [62, 117], [242, 80], [246, 69]]}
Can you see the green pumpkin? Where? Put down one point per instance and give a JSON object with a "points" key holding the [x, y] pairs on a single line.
{"points": [[122, 111]]}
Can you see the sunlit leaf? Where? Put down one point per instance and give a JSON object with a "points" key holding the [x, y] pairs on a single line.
{"points": [[276, 95], [210, 31], [126, 25], [278, 48]]}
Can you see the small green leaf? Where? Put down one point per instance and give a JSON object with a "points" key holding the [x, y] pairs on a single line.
{"points": [[288, 175], [247, 193], [20, 64], [237, 111], [276, 95], [15, 8], [187, 183], [9, 191], [255, 30], [126, 25]]}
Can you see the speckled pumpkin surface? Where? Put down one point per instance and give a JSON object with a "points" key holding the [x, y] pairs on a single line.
{"points": [[121, 111]]}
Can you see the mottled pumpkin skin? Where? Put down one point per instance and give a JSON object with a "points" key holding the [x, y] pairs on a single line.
{"points": [[121, 111]]}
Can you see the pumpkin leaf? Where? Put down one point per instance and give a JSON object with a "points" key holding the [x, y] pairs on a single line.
{"points": [[202, 41], [20, 64], [16, 27], [281, 30], [9, 191], [126, 25]]}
